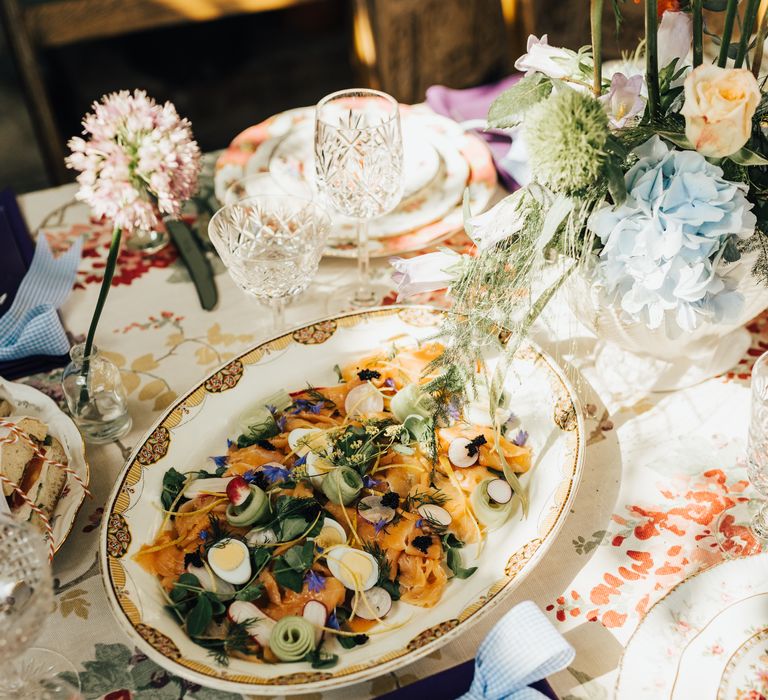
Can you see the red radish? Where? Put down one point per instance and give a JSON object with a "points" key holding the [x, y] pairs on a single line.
{"points": [[372, 510], [240, 611], [433, 513], [238, 491], [373, 603], [315, 612], [499, 491]]}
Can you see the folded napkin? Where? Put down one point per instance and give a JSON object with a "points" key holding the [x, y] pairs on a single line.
{"points": [[470, 108], [522, 647], [32, 326]]}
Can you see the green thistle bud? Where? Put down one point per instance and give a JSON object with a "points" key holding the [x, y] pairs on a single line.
{"points": [[565, 136]]}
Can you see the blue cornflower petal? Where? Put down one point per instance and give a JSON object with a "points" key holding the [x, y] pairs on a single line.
{"points": [[273, 473], [301, 460], [229, 443], [315, 582], [380, 525], [419, 523], [333, 621], [370, 482], [220, 460], [203, 535]]}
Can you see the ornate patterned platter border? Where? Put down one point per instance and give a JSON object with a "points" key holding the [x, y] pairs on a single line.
{"points": [[128, 603]]}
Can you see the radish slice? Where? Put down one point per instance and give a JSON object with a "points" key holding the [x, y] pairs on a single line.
{"points": [[198, 487], [371, 509], [372, 604], [499, 491], [458, 454], [240, 610], [210, 581], [433, 513], [238, 491], [260, 536], [363, 400], [315, 612]]}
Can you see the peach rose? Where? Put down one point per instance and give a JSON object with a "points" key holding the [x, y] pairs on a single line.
{"points": [[718, 109]]}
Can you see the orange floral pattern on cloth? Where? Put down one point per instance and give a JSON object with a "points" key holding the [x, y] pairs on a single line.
{"points": [[758, 327], [657, 545]]}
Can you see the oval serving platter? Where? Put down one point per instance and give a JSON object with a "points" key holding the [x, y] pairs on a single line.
{"points": [[200, 422]]}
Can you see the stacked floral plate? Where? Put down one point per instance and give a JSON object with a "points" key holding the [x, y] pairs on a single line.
{"points": [[441, 161], [707, 638]]}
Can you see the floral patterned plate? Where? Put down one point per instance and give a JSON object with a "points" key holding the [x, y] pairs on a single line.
{"points": [[706, 639], [199, 423], [431, 210], [27, 401]]}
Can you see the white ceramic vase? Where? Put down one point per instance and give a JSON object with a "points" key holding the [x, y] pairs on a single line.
{"points": [[634, 355]]}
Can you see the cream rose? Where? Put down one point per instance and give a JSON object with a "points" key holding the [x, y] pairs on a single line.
{"points": [[718, 109]]}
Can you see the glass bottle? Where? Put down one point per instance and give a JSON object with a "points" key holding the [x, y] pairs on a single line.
{"points": [[96, 396]]}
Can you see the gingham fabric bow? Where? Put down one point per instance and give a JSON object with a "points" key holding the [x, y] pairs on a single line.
{"points": [[522, 647]]}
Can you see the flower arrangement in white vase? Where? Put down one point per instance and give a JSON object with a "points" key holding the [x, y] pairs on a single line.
{"points": [[649, 190]]}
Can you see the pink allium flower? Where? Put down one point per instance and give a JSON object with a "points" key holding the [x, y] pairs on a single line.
{"points": [[139, 161]]}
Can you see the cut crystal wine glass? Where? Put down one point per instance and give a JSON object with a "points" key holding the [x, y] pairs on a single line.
{"points": [[271, 245], [359, 167], [743, 528], [26, 600]]}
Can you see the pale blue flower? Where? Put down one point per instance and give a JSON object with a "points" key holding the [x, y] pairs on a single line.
{"points": [[664, 246]]}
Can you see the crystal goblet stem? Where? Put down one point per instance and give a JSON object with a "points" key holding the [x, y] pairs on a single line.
{"points": [[364, 295]]}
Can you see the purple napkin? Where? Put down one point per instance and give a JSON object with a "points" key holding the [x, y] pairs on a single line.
{"points": [[473, 103]]}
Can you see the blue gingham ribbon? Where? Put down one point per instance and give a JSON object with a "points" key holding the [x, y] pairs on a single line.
{"points": [[523, 647], [31, 326]]}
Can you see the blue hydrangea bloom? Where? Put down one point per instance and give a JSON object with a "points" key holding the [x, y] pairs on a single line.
{"points": [[664, 247]]}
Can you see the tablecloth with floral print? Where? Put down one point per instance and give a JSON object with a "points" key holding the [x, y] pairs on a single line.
{"points": [[659, 468]]}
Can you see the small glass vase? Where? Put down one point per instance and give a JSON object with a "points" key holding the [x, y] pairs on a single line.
{"points": [[147, 241], [96, 396]]}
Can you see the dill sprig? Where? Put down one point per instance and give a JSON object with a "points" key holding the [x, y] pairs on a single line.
{"points": [[235, 639]]}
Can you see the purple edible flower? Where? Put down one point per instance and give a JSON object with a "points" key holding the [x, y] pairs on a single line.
{"points": [[370, 482], [272, 409], [220, 460], [389, 382], [281, 423], [305, 405], [273, 473], [379, 525], [521, 438], [315, 582], [203, 535], [453, 410], [419, 523], [229, 443], [301, 460], [250, 476], [333, 621]]}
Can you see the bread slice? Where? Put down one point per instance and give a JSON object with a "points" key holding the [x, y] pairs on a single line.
{"points": [[43, 483], [15, 456]]}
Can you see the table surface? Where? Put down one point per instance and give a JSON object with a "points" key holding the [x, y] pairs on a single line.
{"points": [[659, 468]]}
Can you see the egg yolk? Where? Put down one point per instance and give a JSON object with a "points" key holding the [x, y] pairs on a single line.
{"points": [[329, 537], [357, 565], [227, 557]]}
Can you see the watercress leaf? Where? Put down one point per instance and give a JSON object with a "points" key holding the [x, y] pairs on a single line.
{"points": [[286, 576], [350, 642], [250, 592], [300, 557], [217, 607], [199, 617], [453, 558], [173, 483], [259, 559], [291, 528], [391, 587]]}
